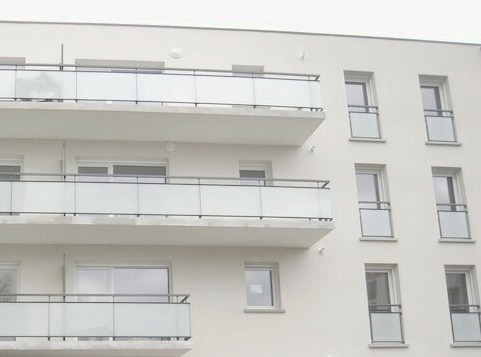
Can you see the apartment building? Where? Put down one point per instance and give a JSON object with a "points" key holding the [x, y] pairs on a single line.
{"points": [[170, 191]]}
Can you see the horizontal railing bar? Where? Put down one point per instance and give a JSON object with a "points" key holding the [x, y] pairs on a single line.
{"points": [[363, 106], [384, 305], [375, 202], [162, 177], [452, 204], [30, 99], [107, 336], [328, 219], [438, 110], [99, 295], [134, 69], [463, 305]]}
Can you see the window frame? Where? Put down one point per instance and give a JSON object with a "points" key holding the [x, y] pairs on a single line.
{"points": [[471, 288], [379, 172], [390, 270], [109, 164], [273, 268], [265, 166]]}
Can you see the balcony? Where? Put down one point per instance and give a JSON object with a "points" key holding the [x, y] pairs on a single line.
{"points": [[453, 221], [466, 323], [364, 122], [375, 219], [386, 324], [440, 126], [112, 209], [94, 325], [70, 102]]}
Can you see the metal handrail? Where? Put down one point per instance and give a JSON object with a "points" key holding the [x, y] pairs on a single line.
{"points": [[153, 70], [169, 178]]}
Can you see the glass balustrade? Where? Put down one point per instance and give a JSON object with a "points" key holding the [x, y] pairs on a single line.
{"points": [[166, 87], [386, 323]]}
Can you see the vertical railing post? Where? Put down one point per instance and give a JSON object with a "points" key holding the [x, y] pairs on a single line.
{"points": [[200, 197], [15, 83], [11, 197], [48, 318], [260, 200], [74, 195], [136, 87], [254, 104], [195, 89], [138, 197], [113, 317]]}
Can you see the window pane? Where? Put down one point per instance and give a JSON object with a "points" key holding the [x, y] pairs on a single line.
{"points": [[8, 284], [93, 170], [431, 97], [259, 287], [367, 187], [378, 290], [141, 281], [356, 93], [93, 281], [444, 189], [140, 170], [8, 173], [457, 288], [252, 174]]}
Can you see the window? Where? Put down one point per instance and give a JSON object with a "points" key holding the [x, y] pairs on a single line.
{"points": [[373, 205], [255, 173], [465, 314], [439, 119], [262, 286], [384, 307], [97, 169], [452, 211], [10, 172], [122, 281], [363, 114]]}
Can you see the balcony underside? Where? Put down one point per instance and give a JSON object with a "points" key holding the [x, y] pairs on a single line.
{"points": [[206, 231], [155, 122], [45, 348]]}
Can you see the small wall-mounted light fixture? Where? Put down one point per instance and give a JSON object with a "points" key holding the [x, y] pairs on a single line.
{"points": [[170, 146], [322, 250], [175, 53], [312, 148], [302, 55]]}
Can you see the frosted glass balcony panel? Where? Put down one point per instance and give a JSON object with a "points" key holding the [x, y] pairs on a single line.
{"points": [[285, 92], [45, 84], [169, 199], [166, 88], [7, 83], [23, 319], [466, 327], [386, 327], [454, 224], [440, 128], [106, 198], [152, 320], [225, 90], [292, 202], [230, 200], [364, 125], [5, 196], [106, 86], [81, 319], [376, 222], [42, 197]]}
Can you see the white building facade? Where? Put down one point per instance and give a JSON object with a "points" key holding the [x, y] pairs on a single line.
{"points": [[206, 192]]}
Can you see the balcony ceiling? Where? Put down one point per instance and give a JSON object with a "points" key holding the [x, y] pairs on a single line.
{"points": [[58, 348], [234, 232], [154, 122]]}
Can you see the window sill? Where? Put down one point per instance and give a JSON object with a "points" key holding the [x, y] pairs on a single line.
{"points": [[378, 239], [466, 344], [456, 240], [368, 140], [264, 310], [444, 143], [388, 345]]}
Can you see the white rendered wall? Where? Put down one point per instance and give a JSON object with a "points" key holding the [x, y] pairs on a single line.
{"points": [[324, 295]]}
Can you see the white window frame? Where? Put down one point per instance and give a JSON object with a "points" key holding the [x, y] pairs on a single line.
{"points": [[13, 266], [471, 288], [13, 162], [457, 186], [364, 78], [111, 163], [265, 166], [275, 286], [111, 267], [379, 171], [438, 82], [391, 271]]}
